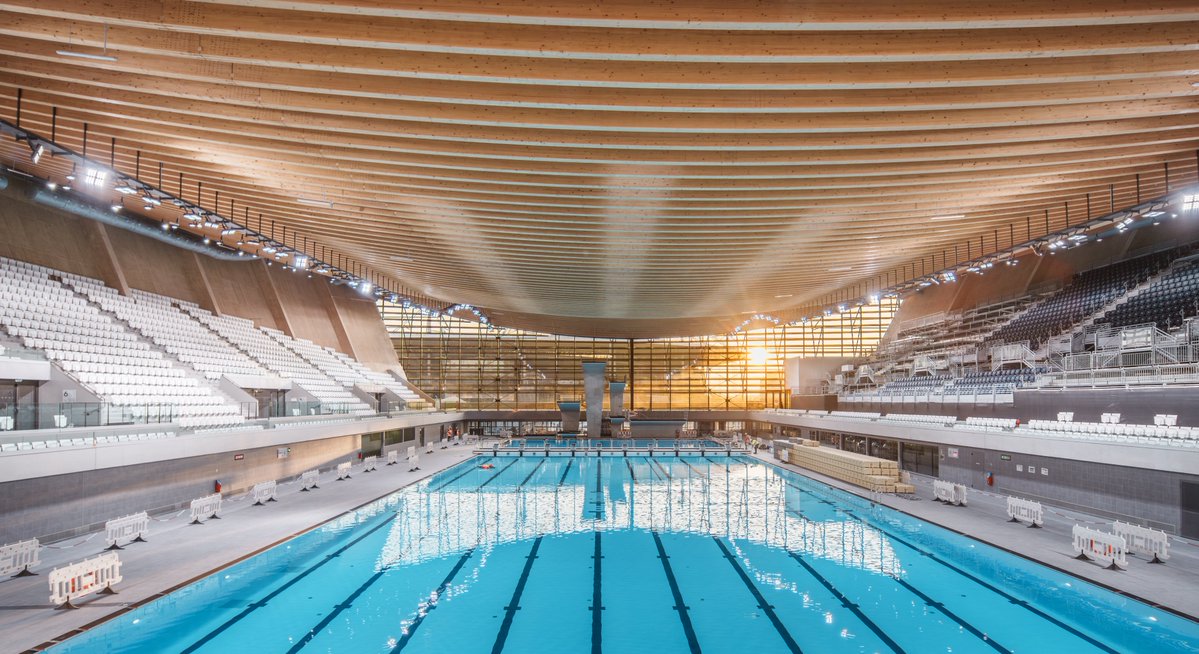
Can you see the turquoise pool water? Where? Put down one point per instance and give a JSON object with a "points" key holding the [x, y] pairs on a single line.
{"points": [[614, 554], [610, 443]]}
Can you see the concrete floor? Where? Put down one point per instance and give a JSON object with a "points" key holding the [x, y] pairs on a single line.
{"points": [[177, 552], [1173, 586]]}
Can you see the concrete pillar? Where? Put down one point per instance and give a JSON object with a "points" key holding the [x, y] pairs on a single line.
{"points": [[593, 393], [570, 416], [616, 398]]}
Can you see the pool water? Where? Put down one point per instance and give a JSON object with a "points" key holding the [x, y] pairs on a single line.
{"points": [[614, 554], [610, 443]]}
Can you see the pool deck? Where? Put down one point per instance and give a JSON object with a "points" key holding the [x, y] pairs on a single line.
{"points": [[177, 552], [1173, 585]]}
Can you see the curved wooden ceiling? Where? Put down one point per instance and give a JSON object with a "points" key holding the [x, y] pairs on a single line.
{"points": [[632, 162]]}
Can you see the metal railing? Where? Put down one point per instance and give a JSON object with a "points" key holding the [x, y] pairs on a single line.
{"points": [[63, 415]]}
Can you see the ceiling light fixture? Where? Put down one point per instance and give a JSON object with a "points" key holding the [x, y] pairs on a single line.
{"points": [[103, 56], [324, 204]]}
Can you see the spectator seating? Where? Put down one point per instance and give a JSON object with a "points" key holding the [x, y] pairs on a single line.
{"points": [[267, 351], [99, 352], [177, 333], [1167, 302], [1087, 293]]}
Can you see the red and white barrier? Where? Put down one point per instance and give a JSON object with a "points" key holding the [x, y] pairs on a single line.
{"points": [[1143, 540], [949, 492], [393, 457], [369, 463], [264, 491], [133, 527], [16, 559], [94, 575], [1094, 545], [1019, 510], [204, 508], [343, 471], [308, 480]]}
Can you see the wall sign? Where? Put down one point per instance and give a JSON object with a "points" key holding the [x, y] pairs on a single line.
{"points": [[953, 452], [238, 457], [1005, 457]]}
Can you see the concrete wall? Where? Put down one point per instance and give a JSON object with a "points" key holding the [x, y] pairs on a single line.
{"points": [[1130, 494], [61, 506]]}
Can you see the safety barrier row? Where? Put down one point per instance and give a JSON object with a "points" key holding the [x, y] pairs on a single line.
{"points": [[369, 463], [343, 471], [393, 457], [264, 491], [308, 480], [16, 559], [1019, 510], [95, 575], [949, 492], [1143, 540], [133, 527], [204, 508], [1094, 545]]}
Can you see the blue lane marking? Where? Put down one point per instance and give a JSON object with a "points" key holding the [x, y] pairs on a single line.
{"points": [[661, 468], [597, 597], [335, 612], [275, 593], [421, 615], [792, 646], [469, 469], [531, 473], [953, 616], [562, 479], [497, 474], [688, 629], [882, 635], [986, 585], [514, 605]]}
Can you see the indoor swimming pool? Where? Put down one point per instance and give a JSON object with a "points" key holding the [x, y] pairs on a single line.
{"points": [[619, 554]]}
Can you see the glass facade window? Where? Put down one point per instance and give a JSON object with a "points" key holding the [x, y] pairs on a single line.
{"points": [[467, 366]]}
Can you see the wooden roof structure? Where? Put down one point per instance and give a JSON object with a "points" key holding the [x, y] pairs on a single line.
{"points": [[628, 167]]}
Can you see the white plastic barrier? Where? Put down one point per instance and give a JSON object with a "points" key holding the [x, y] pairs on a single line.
{"points": [[75, 580], [264, 491], [370, 463], [206, 507], [393, 457], [430, 444], [414, 462], [1019, 510], [308, 480], [17, 558], [949, 492], [343, 471], [1095, 545], [134, 527], [1143, 540]]}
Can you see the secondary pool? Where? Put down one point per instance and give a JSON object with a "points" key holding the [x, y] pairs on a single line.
{"points": [[614, 554]]}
